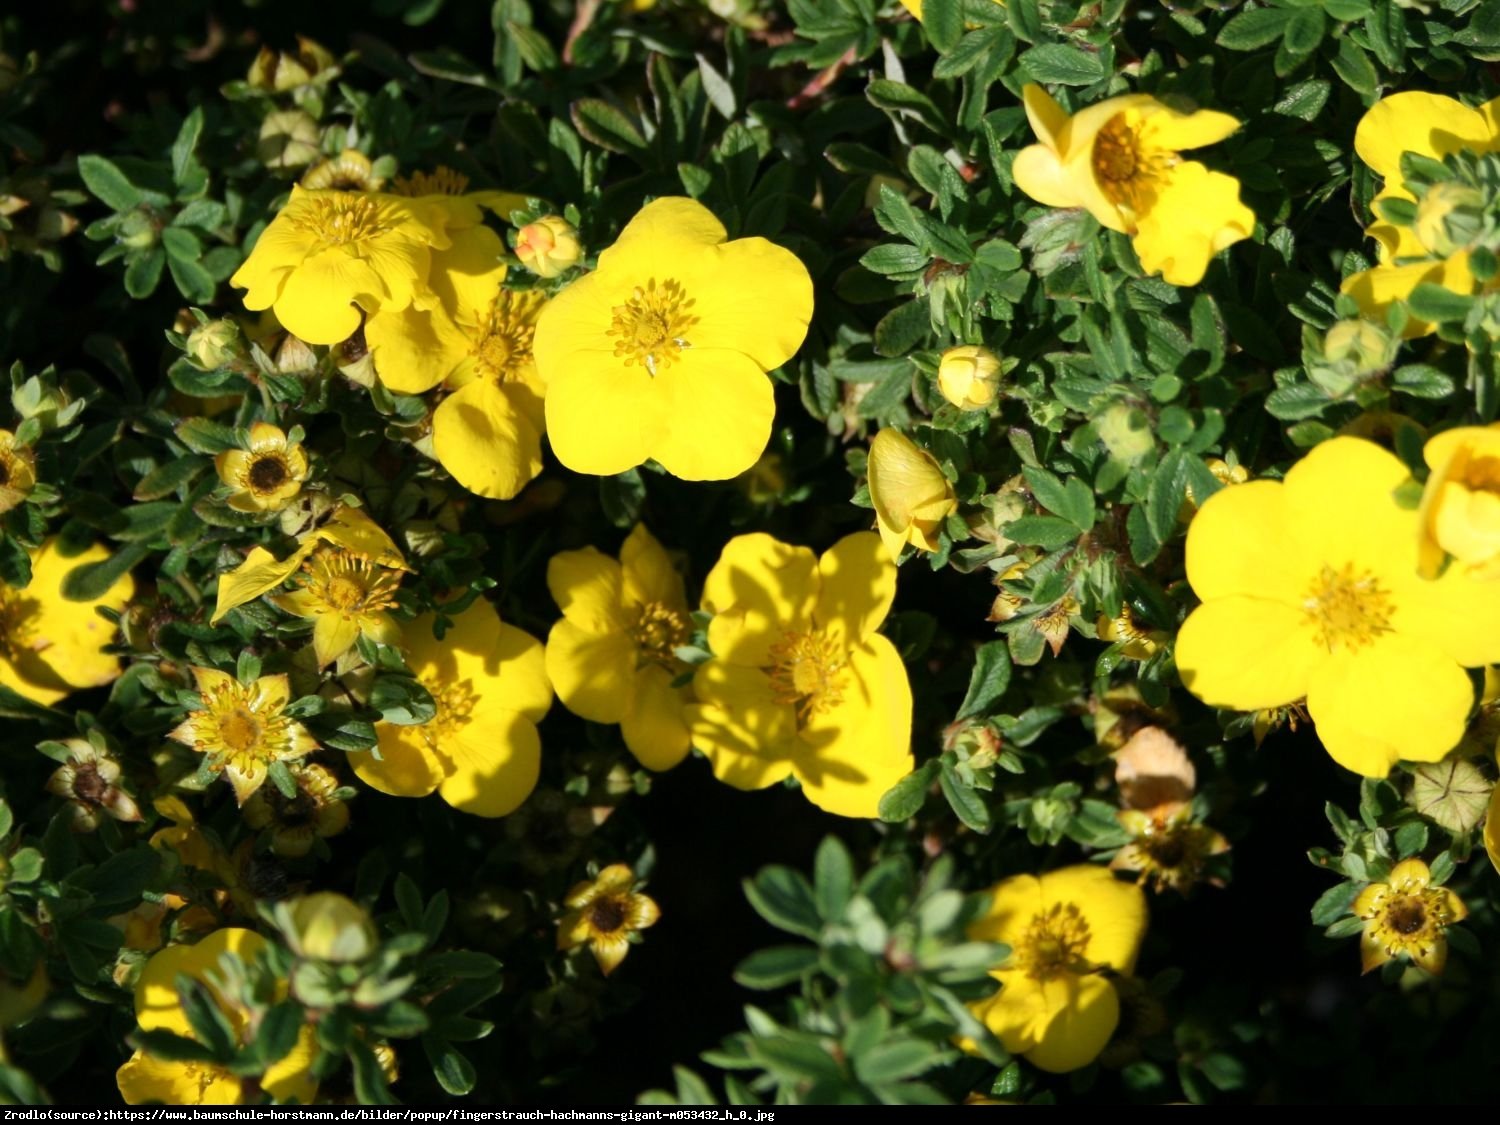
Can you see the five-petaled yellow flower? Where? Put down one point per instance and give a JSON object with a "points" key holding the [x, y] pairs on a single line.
{"points": [[1068, 930], [330, 254], [267, 475], [244, 728], [801, 685], [158, 1007], [603, 913], [1460, 512], [912, 497], [1310, 589], [1433, 126], [613, 655], [347, 596], [662, 351], [1406, 916], [50, 646], [1119, 160], [481, 751]]}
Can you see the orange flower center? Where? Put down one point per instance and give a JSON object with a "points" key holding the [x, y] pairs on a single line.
{"points": [[503, 342], [651, 326], [1347, 609]]}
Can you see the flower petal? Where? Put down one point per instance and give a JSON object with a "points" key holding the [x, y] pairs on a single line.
{"points": [[1247, 654], [603, 417], [1432, 125], [750, 296], [856, 586], [759, 589], [717, 407], [414, 349], [1237, 544], [1114, 909], [524, 687], [655, 727], [488, 444], [647, 572], [588, 586], [495, 759], [1195, 214], [592, 672], [405, 768]]}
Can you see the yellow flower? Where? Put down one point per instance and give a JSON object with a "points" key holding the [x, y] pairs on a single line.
{"points": [[481, 751], [1067, 930], [1310, 588], [1407, 916], [911, 495], [1169, 849], [329, 254], [662, 351], [268, 475], [350, 170], [612, 657], [50, 646], [328, 927], [1460, 512], [347, 597], [158, 1007], [90, 782], [488, 432], [1430, 125], [315, 813], [244, 728], [969, 376], [17, 472], [1119, 161], [349, 529], [801, 685], [603, 913], [1135, 643], [549, 246]]}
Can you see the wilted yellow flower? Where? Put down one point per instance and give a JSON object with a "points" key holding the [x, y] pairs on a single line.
{"points": [[1460, 511], [1066, 930], [549, 246], [329, 254], [349, 530], [17, 471], [801, 685], [268, 475], [347, 596], [969, 376], [1310, 589], [315, 813], [158, 1007], [350, 170], [328, 927], [662, 351], [1119, 159], [912, 497], [280, 71], [288, 139], [1168, 850], [90, 782], [1406, 916], [243, 728], [481, 751], [603, 913], [1135, 643], [1433, 126], [50, 646], [612, 657]]}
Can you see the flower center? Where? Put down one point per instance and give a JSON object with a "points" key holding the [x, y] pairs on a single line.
{"points": [[343, 583], [807, 672], [88, 786], [237, 725], [1406, 915], [239, 730], [1347, 609], [268, 472], [1055, 942], [442, 180], [503, 343], [17, 623], [652, 324], [608, 913], [341, 218], [1124, 167], [1482, 474], [658, 632], [455, 703]]}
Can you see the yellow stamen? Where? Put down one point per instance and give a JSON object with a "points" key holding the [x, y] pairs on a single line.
{"points": [[658, 632], [652, 324], [807, 672], [341, 218], [1346, 609], [1055, 942]]}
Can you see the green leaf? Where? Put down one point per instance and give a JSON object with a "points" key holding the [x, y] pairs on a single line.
{"points": [[185, 144], [833, 878], [777, 966], [15, 569], [166, 479], [90, 582], [906, 798], [1437, 304], [1047, 532], [607, 127], [1421, 380], [110, 185], [988, 681], [1252, 29], [893, 1059], [967, 804], [1334, 903], [1062, 64], [454, 1072], [143, 274], [1073, 501], [892, 258], [784, 898], [943, 20]]}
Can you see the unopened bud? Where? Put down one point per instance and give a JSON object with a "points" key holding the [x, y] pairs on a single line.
{"points": [[548, 246]]}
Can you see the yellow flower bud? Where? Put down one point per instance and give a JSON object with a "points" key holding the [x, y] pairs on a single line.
{"points": [[911, 495], [139, 231], [329, 927], [1125, 432], [548, 246], [280, 71], [1362, 344], [1449, 218], [969, 376], [1460, 511], [215, 344], [288, 139]]}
